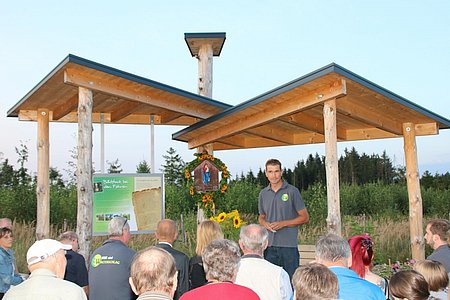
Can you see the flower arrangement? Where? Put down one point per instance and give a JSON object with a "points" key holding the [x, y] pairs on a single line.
{"points": [[230, 223], [207, 199]]}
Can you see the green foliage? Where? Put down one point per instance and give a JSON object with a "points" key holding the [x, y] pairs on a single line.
{"points": [[178, 202], [173, 167], [241, 195], [316, 202], [143, 167]]}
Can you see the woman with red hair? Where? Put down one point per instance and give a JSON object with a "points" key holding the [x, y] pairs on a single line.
{"points": [[362, 258]]}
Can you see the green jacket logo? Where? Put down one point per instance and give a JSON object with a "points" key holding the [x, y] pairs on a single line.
{"points": [[98, 260], [285, 197]]}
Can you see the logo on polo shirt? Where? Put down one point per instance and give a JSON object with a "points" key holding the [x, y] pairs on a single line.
{"points": [[285, 197], [99, 259]]}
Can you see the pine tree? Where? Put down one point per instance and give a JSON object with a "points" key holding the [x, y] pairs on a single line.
{"points": [[173, 167], [143, 167]]}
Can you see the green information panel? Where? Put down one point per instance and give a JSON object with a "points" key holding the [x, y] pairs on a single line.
{"points": [[137, 197]]}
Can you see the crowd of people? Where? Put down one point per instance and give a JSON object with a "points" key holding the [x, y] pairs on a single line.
{"points": [[264, 264]]}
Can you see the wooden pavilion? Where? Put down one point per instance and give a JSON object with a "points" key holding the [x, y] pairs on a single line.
{"points": [[326, 106]]}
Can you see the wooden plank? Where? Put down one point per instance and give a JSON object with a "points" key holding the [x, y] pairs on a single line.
{"points": [[331, 167], [337, 89], [273, 133], [367, 116], [82, 79], [414, 195], [123, 110], [84, 171], [43, 165], [65, 108], [427, 128], [308, 122]]}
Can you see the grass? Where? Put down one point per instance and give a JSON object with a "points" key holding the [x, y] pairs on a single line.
{"points": [[391, 236]]}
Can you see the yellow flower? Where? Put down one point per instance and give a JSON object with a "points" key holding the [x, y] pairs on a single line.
{"points": [[224, 188], [191, 191], [232, 214], [187, 174], [221, 217], [237, 222]]}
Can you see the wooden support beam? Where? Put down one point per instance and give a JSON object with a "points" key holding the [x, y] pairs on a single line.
{"points": [[43, 166], [205, 70], [66, 108], [368, 116], [414, 195], [123, 110], [331, 167], [335, 90], [308, 122], [84, 171], [273, 133], [79, 79]]}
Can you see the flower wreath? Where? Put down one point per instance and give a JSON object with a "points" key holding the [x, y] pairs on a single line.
{"points": [[206, 198]]}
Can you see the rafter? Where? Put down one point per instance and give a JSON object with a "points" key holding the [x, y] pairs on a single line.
{"points": [[367, 116], [67, 107]]}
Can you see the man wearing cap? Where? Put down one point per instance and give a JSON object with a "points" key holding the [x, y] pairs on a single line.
{"points": [[47, 264], [110, 264]]}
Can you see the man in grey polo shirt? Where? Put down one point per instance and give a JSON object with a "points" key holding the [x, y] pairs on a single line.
{"points": [[281, 211], [110, 264]]}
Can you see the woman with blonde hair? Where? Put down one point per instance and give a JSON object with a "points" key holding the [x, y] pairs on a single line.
{"points": [[207, 231], [436, 276]]}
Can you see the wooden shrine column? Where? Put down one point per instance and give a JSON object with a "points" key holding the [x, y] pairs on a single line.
{"points": [[414, 195], [84, 171], [42, 188], [331, 167]]}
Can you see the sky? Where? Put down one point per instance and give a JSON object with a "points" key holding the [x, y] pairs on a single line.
{"points": [[401, 45]]}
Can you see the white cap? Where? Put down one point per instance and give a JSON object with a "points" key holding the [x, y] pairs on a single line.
{"points": [[42, 249]]}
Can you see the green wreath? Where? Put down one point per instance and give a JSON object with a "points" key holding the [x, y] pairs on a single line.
{"points": [[206, 198]]}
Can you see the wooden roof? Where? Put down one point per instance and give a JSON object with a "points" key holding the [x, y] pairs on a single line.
{"points": [[292, 114], [122, 97]]}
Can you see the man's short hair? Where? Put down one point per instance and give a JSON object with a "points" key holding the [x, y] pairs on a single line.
{"points": [[409, 284], [273, 162], [332, 248], [117, 225], [166, 229], [441, 227], [68, 236], [153, 269], [221, 260], [315, 282], [253, 237]]}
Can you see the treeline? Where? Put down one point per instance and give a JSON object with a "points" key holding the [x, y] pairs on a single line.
{"points": [[369, 184], [354, 169]]}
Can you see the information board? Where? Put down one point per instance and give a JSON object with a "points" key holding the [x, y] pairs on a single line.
{"points": [[137, 197]]}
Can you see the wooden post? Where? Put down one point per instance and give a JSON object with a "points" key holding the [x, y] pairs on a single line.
{"points": [[84, 170], [331, 167], [42, 188], [205, 69], [414, 195]]}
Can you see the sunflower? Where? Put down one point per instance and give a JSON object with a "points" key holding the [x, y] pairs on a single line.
{"points": [[233, 213], [187, 174], [191, 191], [221, 217], [237, 222]]}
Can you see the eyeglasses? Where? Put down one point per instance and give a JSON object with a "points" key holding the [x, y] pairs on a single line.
{"points": [[125, 223]]}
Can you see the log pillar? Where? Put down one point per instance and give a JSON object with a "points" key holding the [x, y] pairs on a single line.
{"points": [[84, 171], [331, 167], [414, 195], [43, 165]]}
